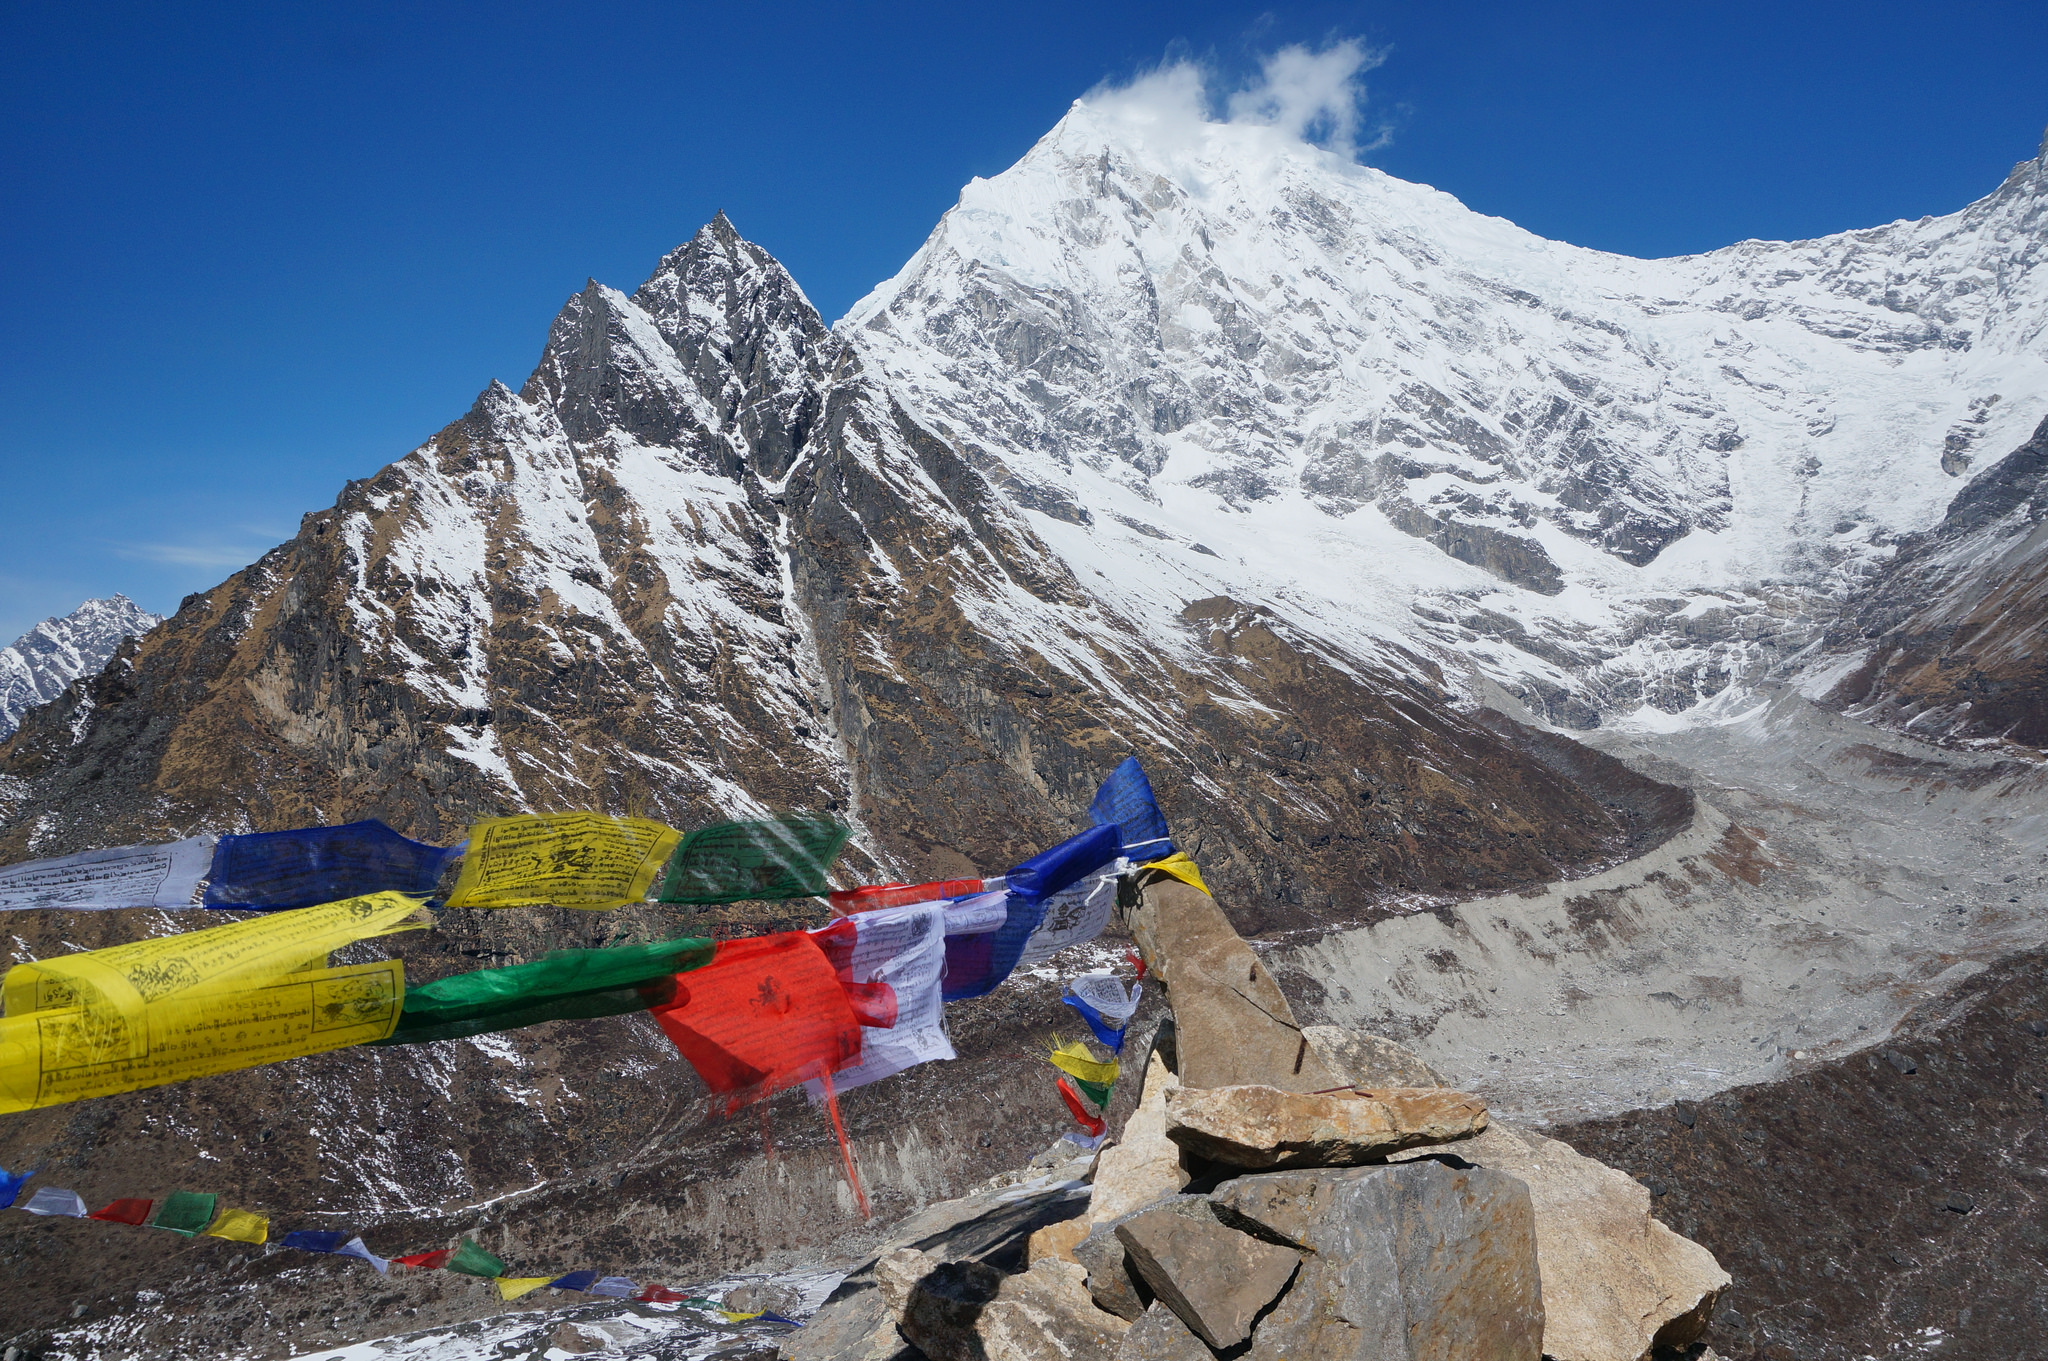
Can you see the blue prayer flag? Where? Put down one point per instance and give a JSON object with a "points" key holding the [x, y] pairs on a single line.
{"points": [[1062, 866], [11, 1184], [1104, 1005], [315, 1240], [1125, 802], [575, 1280], [314, 865], [978, 964]]}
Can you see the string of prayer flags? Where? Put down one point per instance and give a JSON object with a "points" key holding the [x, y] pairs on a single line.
{"points": [[888, 962], [848, 901], [183, 1006], [11, 1184], [765, 1013], [1125, 802], [185, 1212], [240, 1226], [1094, 1124], [1073, 1057], [766, 858], [560, 985], [50, 1201], [582, 860], [1104, 1005], [1180, 867], [166, 876], [130, 1211], [313, 865], [471, 1260]]}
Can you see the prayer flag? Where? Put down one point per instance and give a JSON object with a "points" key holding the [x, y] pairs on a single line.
{"points": [[1104, 1005], [977, 964], [766, 1013], [614, 1287], [471, 1260], [1092, 1123], [888, 962], [51, 1201], [313, 865], [769, 858], [314, 1240], [354, 1247], [567, 859], [560, 985], [1181, 868], [1073, 916], [426, 1261], [575, 1280], [124, 1212], [512, 1287], [660, 1294], [772, 1317], [1051, 870], [730, 1317], [124, 876], [185, 1212], [11, 1184], [1098, 1092], [1073, 1057], [241, 1226], [1125, 802], [847, 901], [183, 1006]]}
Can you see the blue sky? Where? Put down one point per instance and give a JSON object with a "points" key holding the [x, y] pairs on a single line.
{"points": [[249, 252]]}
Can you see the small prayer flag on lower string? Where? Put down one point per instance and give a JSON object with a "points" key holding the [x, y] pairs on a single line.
{"points": [[471, 1260], [426, 1261], [129, 1211], [314, 1240], [354, 1247], [575, 1280], [50, 1201], [660, 1294], [512, 1287], [1074, 1058], [1094, 1124], [1104, 1005], [185, 1212], [240, 1226], [11, 1184], [615, 1287]]}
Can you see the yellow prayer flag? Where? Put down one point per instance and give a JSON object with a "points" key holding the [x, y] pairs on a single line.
{"points": [[52, 1056], [1180, 867], [242, 1226], [512, 1287], [566, 859], [730, 1317], [1074, 1058]]}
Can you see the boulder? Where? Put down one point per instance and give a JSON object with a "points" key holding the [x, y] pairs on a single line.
{"points": [[970, 1311], [1159, 1335], [764, 1296], [1262, 1127], [1232, 1023], [1056, 1241], [1415, 1261], [1617, 1285], [1215, 1279], [1143, 1165], [1365, 1060]]}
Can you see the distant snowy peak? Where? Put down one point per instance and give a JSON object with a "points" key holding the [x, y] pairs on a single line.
{"points": [[40, 663], [1212, 333]]}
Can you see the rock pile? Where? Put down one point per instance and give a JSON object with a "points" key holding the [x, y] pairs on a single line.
{"points": [[1281, 1194]]}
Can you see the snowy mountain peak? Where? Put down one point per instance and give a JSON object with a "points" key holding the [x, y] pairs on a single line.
{"points": [[39, 664]]}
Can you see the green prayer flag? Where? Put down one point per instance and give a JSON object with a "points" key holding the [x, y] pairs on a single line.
{"points": [[471, 1260], [770, 858], [186, 1212], [1098, 1092], [561, 985]]}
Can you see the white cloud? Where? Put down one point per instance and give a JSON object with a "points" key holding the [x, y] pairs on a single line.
{"points": [[1310, 95]]}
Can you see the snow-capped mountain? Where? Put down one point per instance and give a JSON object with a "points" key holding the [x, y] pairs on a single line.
{"points": [[1391, 419], [39, 664]]}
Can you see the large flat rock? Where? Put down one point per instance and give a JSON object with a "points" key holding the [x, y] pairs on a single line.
{"points": [[1262, 1127], [1215, 1279]]}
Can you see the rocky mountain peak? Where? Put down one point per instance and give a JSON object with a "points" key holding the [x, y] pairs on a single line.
{"points": [[36, 667]]}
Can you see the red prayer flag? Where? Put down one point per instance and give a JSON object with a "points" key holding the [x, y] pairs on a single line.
{"points": [[660, 1294], [427, 1261], [767, 1012], [124, 1212], [1093, 1124], [873, 1002], [847, 901]]}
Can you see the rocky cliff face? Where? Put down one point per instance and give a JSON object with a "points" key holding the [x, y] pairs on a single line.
{"points": [[36, 667], [1946, 641]]}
